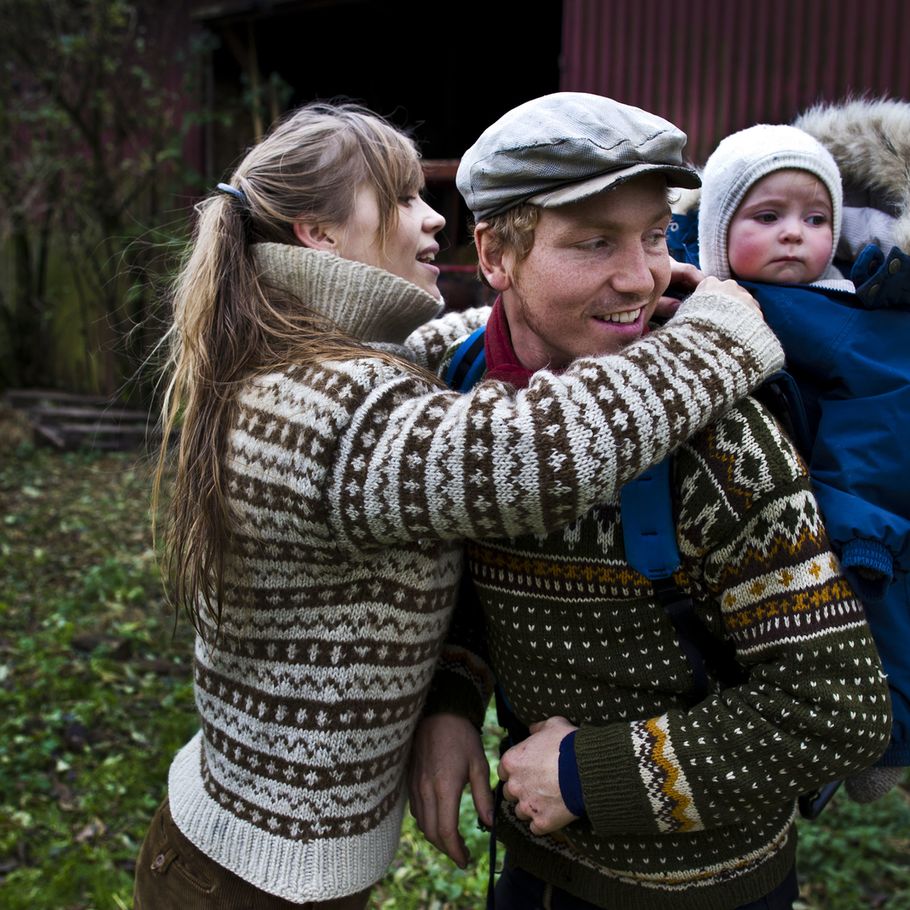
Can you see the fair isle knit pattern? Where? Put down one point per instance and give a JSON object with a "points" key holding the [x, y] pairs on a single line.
{"points": [[687, 808], [351, 484]]}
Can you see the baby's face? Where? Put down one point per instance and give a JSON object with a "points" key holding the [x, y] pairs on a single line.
{"points": [[781, 233]]}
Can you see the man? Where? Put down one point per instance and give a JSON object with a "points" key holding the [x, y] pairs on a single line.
{"points": [[628, 790]]}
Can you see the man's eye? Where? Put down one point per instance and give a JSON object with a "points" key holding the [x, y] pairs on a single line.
{"points": [[658, 235]]}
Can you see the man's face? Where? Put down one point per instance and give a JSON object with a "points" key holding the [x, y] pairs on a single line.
{"points": [[593, 277]]}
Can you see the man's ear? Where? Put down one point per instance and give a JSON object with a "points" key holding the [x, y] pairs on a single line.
{"points": [[494, 262], [316, 236]]}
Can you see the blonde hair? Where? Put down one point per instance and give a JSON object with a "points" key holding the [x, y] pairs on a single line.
{"points": [[512, 230], [229, 325]]}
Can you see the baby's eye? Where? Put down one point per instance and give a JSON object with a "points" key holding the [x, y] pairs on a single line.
{"points": [[817, 220], [766, 217]]}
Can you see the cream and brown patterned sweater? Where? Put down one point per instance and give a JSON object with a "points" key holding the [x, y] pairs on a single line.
{"points": [[351, 486]]}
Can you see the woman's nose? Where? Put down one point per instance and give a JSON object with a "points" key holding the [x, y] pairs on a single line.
{"points": [[433, 222]]}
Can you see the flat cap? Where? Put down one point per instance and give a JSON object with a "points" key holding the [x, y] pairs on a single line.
{"points": [[564, 147]]}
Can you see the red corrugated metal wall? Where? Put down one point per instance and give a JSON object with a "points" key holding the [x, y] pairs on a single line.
{"points": [[715, 66]]}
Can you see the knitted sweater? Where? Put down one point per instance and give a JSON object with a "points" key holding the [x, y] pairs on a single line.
{"points": [[685, 808], [351, 484]]}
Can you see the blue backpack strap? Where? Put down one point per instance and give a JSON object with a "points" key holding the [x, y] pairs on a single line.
{"points": [[649, 531], [649, 536], [468, 363]]}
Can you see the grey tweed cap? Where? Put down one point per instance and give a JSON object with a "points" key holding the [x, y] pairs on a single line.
{"points": [[564, 147]]}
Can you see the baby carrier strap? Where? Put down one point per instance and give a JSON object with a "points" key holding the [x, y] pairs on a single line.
{"points": [[649, 536]]}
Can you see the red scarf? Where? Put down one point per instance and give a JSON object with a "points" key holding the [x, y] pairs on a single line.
{"points": [[502, 361]]}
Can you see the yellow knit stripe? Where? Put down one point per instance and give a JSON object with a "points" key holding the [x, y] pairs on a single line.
{"points": [[674, 787], [819, 598], [561, 568]]}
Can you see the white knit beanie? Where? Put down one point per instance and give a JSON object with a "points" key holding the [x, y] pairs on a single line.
{"points": [[734, 167]]}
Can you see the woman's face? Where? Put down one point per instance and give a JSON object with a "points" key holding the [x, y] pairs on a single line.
{"points": [[410, 247]]}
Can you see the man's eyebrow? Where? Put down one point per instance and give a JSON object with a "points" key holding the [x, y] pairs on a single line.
{"points": [[658, 213]]}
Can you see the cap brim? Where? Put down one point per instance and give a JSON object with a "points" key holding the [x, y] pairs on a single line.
{"points": [[573, 192]]}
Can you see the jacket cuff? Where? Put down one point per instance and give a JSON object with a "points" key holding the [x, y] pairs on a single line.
{"points": [[869, 566]]}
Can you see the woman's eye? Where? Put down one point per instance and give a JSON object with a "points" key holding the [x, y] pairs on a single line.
{"points": [[407, 200]]}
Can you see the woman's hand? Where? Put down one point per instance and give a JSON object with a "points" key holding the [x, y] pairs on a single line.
{"points": [[447, 754]]}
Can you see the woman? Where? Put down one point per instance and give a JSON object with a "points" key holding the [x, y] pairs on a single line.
{"points": [[324, 481]]}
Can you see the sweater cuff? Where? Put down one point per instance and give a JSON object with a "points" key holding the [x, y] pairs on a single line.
{"points": [[451, 693], [614, 794], [569, 778], [742, 323]]}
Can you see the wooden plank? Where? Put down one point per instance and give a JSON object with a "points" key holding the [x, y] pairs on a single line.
{"points": [[25, 398], [102, 429], [54, 412]]}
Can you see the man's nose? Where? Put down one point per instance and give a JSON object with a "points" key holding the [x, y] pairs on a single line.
{"points": [[633, 274]]}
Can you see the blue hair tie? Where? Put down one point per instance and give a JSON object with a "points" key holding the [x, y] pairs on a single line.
{"points": [[229, 190]]}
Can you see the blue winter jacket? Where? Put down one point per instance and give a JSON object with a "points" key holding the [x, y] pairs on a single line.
{"points": [[850, 356]]}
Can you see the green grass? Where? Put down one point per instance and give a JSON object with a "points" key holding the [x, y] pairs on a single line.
{"points": [[95, 698]]}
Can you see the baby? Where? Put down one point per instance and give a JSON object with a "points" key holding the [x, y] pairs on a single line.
{"points": [[771, 208], [770, 216]]}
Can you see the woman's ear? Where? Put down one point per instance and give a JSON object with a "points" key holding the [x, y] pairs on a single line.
{"points": [[494, 263], [315, 236]]}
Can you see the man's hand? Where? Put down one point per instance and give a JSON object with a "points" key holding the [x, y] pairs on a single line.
{"points": [[530, 772], [447, 754], [729, 288], [684, 278]]}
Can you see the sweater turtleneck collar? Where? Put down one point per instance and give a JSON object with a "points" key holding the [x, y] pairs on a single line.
{"points": [[368, 303]]}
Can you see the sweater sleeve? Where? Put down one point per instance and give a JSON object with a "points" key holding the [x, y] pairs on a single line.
{"points": [[429, 343], [497, 462], [463, 680], [815, 707]]}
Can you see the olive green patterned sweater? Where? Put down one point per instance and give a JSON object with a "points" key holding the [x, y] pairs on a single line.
{"points": [[351, 485], [685, 808]]}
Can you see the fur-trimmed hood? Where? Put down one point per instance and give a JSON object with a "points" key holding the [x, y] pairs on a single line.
{"points": [[870, 141]]}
